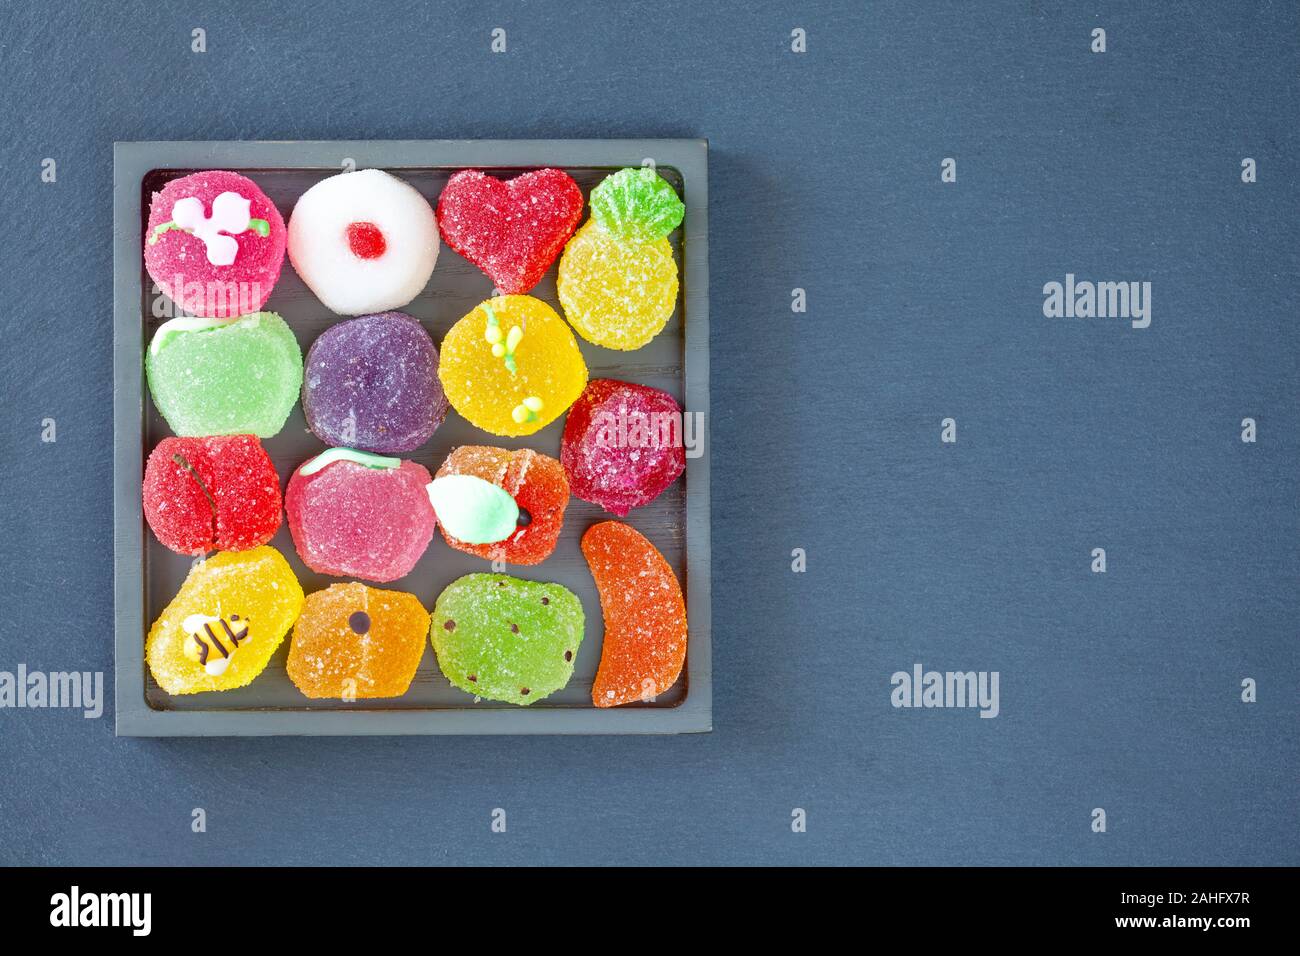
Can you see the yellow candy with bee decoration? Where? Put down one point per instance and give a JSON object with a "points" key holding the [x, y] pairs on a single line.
{"points": [[225, 623]]}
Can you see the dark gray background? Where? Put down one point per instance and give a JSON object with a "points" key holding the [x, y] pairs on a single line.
{"points": [[1118, 690]]}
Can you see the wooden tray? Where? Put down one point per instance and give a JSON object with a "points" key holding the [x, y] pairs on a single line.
{"points": [[147, 575]]}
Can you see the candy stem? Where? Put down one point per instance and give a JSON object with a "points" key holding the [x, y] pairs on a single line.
{"points": [[259, 226], [161, 228], [331, 455], [193, 323], [180, 460], [502, 350]]}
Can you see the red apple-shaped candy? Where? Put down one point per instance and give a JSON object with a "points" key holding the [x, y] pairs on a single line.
{"points": [[219, 493]]}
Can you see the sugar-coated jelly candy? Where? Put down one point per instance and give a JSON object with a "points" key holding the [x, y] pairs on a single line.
{"points": [[214, 244], [511, 366], [224, 624], [205, 494], [536, 485], [372, 383], [363, 241], [352, 642], [645, 615], [225, 376], [618, 279], [622, 444], [354, 514], [511, 229], [636, 205], [505, 638], [617, 293]]}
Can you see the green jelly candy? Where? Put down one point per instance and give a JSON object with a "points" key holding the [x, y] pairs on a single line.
{"points": [[505, 638], [636, 205], [225, 376]]}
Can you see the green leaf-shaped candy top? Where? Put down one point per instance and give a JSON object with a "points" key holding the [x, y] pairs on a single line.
{"points": [[636, 205], [473, 510]]}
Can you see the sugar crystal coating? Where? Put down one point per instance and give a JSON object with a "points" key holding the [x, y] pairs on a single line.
{"points": [[351, 520], [353, 642], [372, 383], [539, 487], [645, 615], [363, 241], [511, 366], [225, 377], [622, 444], [214, 243], [512, 230], [636, 205], [504, 638], [217, 493], [614, 293], [225, 623]]}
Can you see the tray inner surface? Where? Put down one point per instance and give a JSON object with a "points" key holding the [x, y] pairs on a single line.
{"points": [[455, 288]]}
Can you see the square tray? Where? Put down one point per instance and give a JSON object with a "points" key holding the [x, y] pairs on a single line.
{"points": [[147, 575]]}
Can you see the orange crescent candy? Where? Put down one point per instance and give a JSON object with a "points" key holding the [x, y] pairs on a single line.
{"points": [[645, 615]]}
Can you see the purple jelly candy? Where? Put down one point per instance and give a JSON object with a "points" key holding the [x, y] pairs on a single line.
{"points": [[372, 383]]}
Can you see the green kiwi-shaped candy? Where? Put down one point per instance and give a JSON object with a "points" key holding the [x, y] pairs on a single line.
{"points": [[225, 376], [504, 638]]}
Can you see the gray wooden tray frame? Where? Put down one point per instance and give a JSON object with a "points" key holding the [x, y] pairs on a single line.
{"points": [[131, 162]]}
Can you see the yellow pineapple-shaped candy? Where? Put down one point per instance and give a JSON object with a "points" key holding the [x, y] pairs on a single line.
{"points": [[618, 278]]}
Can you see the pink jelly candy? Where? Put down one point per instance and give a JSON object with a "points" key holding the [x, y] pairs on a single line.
{"points": [[214, 244], [354, 514], [622, 444]]}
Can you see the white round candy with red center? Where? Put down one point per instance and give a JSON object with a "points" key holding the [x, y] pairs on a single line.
{"points": [[363, 242]]}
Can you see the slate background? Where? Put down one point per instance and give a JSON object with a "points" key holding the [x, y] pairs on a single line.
{"points": [[1118, 691]]}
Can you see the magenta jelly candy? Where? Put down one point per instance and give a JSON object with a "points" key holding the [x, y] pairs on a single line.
{"points": [[622, 444], [214, 244], [354, 514], [372, 383]]}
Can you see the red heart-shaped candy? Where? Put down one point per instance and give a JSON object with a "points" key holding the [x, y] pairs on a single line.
{"points": [[514, 229]]}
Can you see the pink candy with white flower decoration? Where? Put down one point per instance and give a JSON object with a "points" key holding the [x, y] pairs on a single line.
{"points": [[214, 244]]}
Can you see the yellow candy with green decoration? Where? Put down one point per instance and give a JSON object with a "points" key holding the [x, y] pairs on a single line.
{"points": [[618, 278], [511, 366]]}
